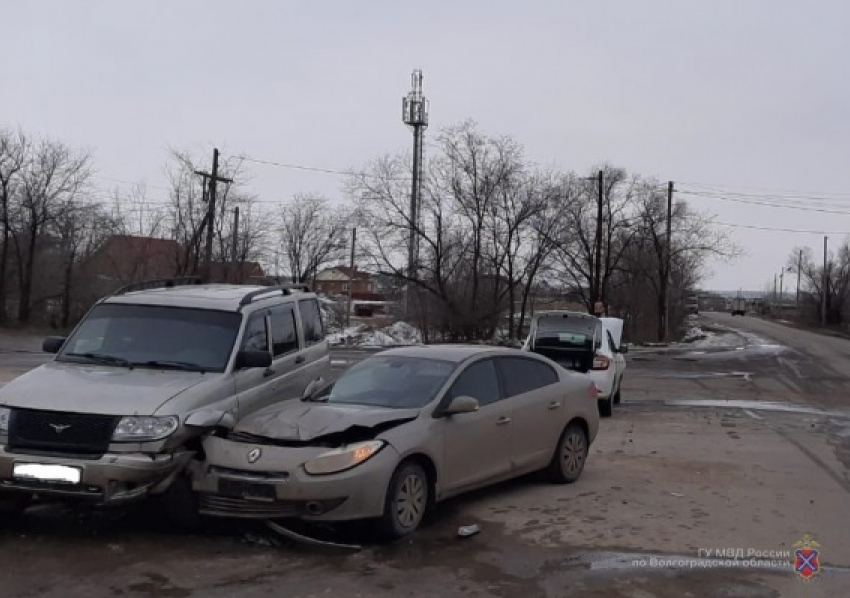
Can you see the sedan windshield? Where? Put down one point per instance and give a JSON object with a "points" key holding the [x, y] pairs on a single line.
{"points": [[391, 381], [154, 336]]}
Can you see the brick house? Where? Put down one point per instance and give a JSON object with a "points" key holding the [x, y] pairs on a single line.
{"points": [[338, 281]]}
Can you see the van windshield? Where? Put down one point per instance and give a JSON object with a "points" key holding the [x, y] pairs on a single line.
{"points": [[154, 336]]}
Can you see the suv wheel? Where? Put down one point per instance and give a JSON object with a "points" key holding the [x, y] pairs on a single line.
{"points": [[13, 505]]}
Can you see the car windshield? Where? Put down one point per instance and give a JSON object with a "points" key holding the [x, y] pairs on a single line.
{"points": [[154, 336], [391, 381]]}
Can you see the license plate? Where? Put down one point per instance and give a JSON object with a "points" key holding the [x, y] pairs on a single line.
{"points": [[57, 474]]}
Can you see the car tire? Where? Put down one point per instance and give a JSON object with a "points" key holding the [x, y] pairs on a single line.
{"points": [[181, 505], [570, 455], [617, 394], [408, 495], [606, 407]]}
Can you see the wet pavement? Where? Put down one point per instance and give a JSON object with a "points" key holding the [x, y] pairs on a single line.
{"points": [[740, 441]]}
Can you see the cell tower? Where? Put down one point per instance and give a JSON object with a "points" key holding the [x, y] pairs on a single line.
{"points": [[415, 115]]}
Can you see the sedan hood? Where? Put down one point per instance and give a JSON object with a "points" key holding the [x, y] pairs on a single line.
{"points": [[58, 386], [299, 421]]}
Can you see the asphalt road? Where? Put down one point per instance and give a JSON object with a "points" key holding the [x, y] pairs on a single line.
{"points": [[740, 441]]}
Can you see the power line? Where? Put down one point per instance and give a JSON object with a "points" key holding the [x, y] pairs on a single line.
{"points": [[332, 171], [783, 230], [771, 192], [767, 204]]}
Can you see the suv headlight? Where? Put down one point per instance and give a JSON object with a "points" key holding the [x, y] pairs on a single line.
{"points": [[139, 429], [5, 415], [343, 458]]}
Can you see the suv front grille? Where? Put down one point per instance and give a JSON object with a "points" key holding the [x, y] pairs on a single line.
{"points": [[61, 433]]}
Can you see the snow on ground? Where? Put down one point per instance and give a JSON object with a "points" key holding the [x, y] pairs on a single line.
{"points": [[395, 335]]}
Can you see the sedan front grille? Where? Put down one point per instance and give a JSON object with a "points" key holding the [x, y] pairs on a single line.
{"points": [[56, 432]]}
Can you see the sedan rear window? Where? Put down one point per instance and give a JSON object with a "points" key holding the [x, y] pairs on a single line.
{"points": [[392, 381]]}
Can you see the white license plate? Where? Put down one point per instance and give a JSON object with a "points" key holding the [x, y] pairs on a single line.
{"points": [[61, 474]]}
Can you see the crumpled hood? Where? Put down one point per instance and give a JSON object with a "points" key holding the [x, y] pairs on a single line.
{"points": [[85, 388], [304, 421]]}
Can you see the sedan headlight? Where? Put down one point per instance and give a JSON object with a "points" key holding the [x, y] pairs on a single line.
{"points": [[139, 429], [5, 415], [343, 458]]}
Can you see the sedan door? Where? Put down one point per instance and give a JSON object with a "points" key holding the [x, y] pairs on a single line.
{"points": [[531, 391], [476, 445]]}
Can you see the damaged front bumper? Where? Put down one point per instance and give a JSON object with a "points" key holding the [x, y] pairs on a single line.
{"points": [[245, 480]]}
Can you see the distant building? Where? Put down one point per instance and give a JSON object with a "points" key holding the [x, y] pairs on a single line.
{"points": [[338, 281]]}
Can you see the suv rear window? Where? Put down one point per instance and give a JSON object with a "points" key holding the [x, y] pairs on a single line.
{"points": [[311, 318]]}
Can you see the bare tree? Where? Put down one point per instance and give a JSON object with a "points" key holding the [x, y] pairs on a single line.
{"points": [[311, 235], [53, 177], [14, 153]]}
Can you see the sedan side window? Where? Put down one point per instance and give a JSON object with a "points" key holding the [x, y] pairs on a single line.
{"points": [[255, 337], [284, 335], [478, 381], [521, 375]]}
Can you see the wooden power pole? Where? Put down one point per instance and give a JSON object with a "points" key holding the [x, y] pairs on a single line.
{"points": [[213, 179]]}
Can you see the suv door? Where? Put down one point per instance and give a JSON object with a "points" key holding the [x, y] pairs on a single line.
{"points": [[287, 358], [537, 409], [316, 357], [476, 445], [253, 386]]}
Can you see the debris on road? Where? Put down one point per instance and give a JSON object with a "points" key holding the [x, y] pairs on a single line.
{"points": [[467, 531], [677, 495], [292, 535]]}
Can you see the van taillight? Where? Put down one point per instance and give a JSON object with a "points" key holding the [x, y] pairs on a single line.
{"points": [[600, 362]]}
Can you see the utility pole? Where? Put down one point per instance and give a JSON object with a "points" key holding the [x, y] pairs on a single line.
{"points": [[351, 278], [235, 249], [781, 289], [668, 260], [799, 276], [825, 283], [597, 275], [213, 179], [415, 110]]}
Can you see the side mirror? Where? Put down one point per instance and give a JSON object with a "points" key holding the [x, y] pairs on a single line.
{"points": [[53, 344], [624, 348], [253, 359], [462, 404]]}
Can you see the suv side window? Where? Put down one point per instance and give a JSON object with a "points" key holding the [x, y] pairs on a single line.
{"points": [[478, 381], [255, 337], [284, 334], [521, 375], [311, 319]]}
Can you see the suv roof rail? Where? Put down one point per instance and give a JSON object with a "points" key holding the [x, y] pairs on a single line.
{"points": [[283, 289], [158, 283]]}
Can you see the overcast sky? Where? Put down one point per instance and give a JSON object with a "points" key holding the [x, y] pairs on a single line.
{"points": [[751, 98]]}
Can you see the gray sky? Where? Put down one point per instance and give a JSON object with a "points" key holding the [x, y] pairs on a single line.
{"points": [[744, 96]]}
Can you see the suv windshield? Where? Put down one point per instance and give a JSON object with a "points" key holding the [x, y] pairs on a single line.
{"points": [[397, 382], [154, 336]]}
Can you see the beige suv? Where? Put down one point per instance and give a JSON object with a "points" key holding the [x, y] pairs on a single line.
{"points": [[121, 410]]}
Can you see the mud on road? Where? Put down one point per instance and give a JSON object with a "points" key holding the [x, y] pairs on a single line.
{"points": [[717, 445]]}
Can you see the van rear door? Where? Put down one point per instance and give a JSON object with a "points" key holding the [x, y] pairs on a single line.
{"points": [[567, 339]]}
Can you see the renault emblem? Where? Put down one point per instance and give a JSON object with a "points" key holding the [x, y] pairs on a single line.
{"points": [[59, 428], [254, 455]]}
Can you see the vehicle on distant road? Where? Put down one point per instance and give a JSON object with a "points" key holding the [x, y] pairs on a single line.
{"points": [[119, 412], [586, 344], [400, 431], [739, 306]]}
